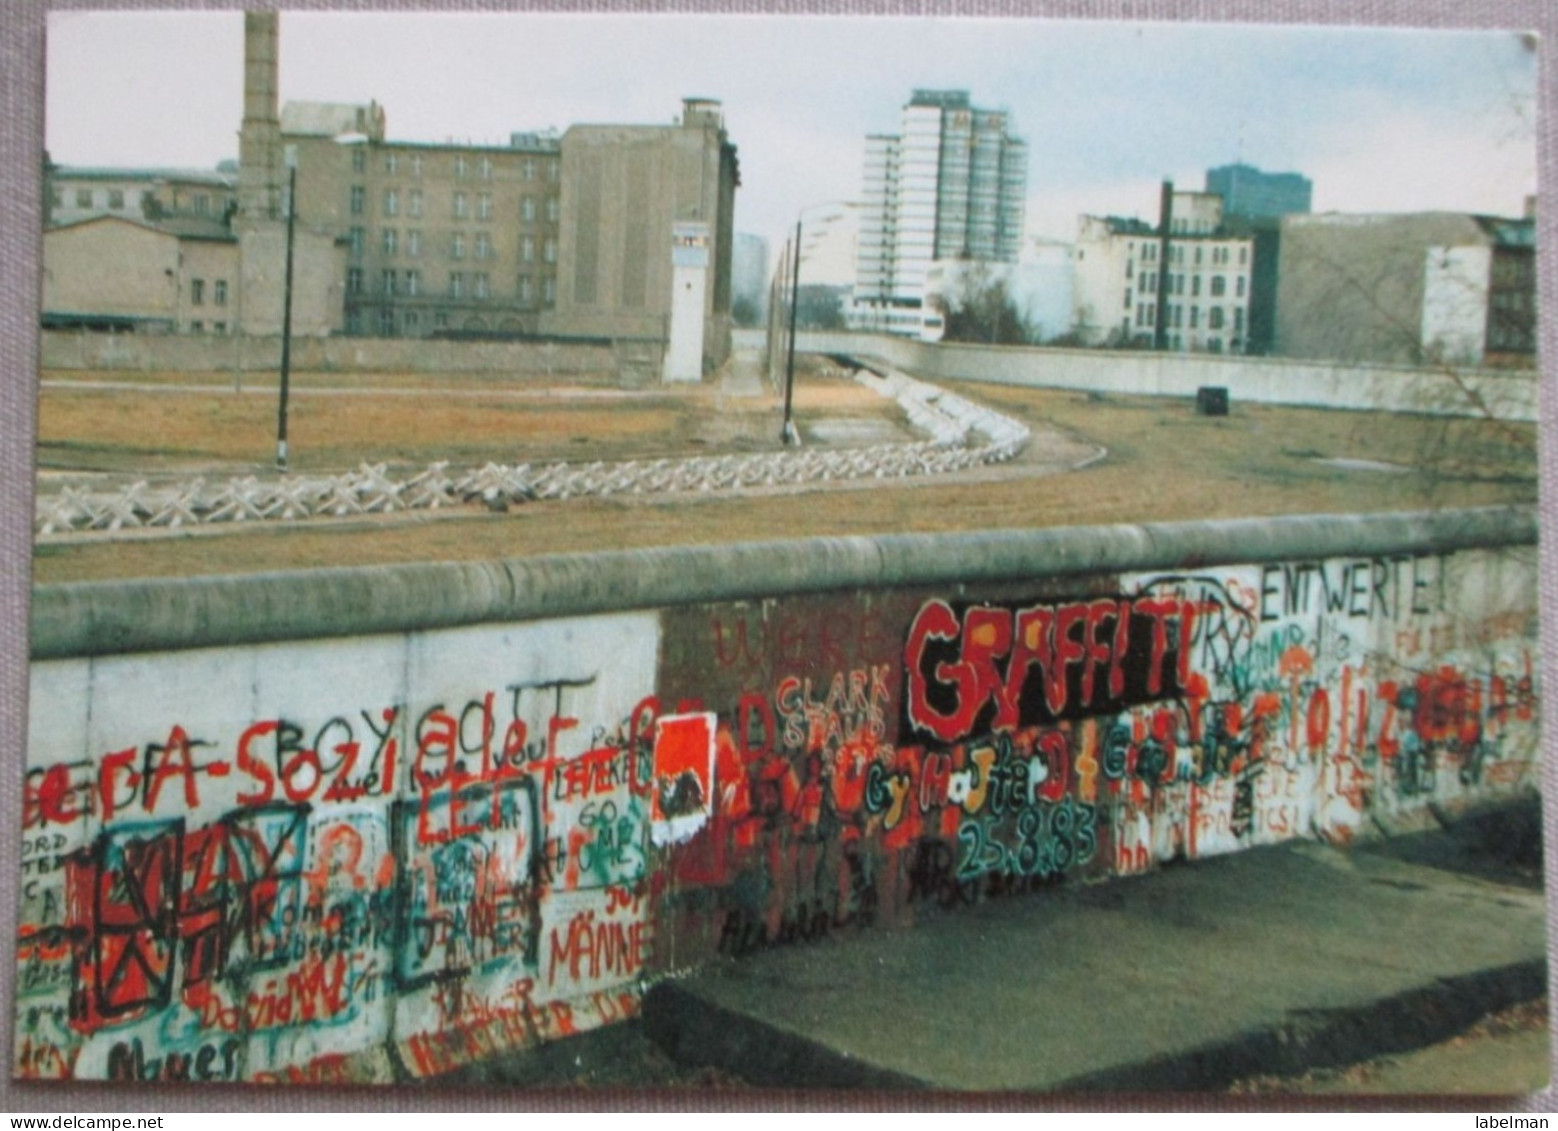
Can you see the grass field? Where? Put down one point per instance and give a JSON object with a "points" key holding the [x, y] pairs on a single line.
{"points": [[1163, 463]]}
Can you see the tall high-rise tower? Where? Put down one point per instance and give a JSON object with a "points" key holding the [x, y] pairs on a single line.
{"points": [[259, 138], [950, 185]]}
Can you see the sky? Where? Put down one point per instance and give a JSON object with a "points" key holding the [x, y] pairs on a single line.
{"points": [[1385, 120]]}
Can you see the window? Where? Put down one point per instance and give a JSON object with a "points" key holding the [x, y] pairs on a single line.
{"points": [[483, 246], [410, 320], [198, 327], [219, 327], [1239, 287], [56, 198], [440, 320], [354, 280], [484, 168], [391, 238], [359, 160], [219, 292], [414, 243], [549, 289], [457, 246], [462, 207], [551, 209], [456, 284], [460, 166], [1195, 317], [479, 284], [359, 199], [484, 206], [527, 209], [1244, 255], [387, 282], [416, 164], [527, 249], [84, 198], [355, 238], [1198, 255], [116, 198], [1219, 286], [386, 322], [551, 170], [391, 163], [391, 202], [1214, 318], [1238, 319], [526, 289], [1195, 284], [202, 204], [197, 291], [1130, 268], [413, 283], [414, 202], [1127, 298], [528, 169]]}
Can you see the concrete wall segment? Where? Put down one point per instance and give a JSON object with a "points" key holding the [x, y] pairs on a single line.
{"points": [[104, 618], [1508, 394]]}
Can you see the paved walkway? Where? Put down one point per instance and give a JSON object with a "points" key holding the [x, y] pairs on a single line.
{"points": [[1269, 961]]}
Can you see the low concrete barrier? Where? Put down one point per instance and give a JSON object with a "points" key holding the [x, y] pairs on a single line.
{"points": [[374, 824], [189, 353], [1506, 394]]}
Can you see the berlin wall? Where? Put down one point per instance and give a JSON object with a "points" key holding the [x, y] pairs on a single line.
{"points": [[1508, 394], [374, 824], [223, 354]]}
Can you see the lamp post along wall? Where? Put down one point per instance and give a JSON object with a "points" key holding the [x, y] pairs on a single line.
{"points": [[788, 435], [286, 310]]}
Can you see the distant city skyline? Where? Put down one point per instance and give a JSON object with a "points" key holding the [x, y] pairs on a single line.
{"points": [[1386, 120]]}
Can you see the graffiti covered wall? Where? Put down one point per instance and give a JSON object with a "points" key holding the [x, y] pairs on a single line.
{"points": [[883, 754], [316, 862], [383, 857]]}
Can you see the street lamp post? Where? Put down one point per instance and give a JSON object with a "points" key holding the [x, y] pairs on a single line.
{"points": [[787, 434], [286, 310]]}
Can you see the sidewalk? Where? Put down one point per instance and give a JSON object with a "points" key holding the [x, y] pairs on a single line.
{"points": [[1274, 960]]}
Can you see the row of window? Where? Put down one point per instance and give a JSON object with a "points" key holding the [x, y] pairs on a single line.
{"points": [[1216, 318], [357, 204], [197, 292], [1221, 256], [475, 284], [481, 247], [1147, 283], [463, 166], [114, 200]]}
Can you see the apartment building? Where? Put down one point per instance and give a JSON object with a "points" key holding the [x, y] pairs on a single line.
{"points": [[76, 193], [440, 238], [1203, 290], [950, 185]]}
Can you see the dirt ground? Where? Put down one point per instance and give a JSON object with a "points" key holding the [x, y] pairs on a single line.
{"points": [[1504, 1054], [1159, 462]]}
